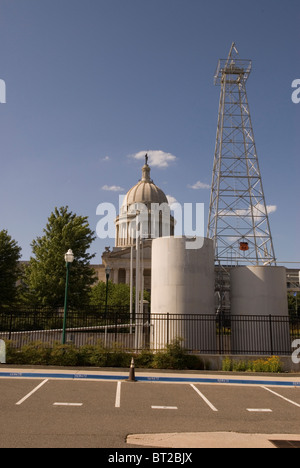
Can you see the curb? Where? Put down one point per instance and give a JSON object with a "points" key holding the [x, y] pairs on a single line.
{"points": [[148, 378]]}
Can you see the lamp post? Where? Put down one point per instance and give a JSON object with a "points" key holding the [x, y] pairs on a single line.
{"points": [[69, 258], [107, 273]]}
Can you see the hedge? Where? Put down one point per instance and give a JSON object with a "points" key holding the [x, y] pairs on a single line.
{"points": [[38, 353], [173, 357]]}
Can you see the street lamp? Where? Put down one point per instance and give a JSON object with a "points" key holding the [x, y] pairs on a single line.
{"points": [[107, 273], [69, 258]]}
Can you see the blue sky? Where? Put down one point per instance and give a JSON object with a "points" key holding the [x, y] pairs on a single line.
{"points": [[91, 82]]}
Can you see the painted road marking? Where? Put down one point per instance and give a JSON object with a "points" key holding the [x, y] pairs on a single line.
{"points": [[280, 396], [118, 396], [165, 407], [32, 392], [67, 404], [204, 398], [71, 376], [259, 410]]}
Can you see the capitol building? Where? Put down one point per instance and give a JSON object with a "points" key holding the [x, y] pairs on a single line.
{"points": [[145, 215]]}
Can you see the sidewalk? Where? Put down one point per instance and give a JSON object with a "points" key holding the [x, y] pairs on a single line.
{"points": [[150, 375], [210, 440]]}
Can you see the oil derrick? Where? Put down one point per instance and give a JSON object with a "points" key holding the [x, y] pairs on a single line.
{"points": [[238, 218]]}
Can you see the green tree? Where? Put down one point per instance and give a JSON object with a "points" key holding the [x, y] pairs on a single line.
{"points": [[98, 292], [46, 273], [10, 254], [294, 304], [118, 294]]}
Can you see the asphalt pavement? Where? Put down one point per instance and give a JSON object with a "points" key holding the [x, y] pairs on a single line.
{"points": [[65, 407]]}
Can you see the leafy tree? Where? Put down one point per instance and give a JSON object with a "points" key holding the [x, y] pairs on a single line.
{"points": [[118, 294], [46, 272], [10, 254], [294, 304], [98, 294]]}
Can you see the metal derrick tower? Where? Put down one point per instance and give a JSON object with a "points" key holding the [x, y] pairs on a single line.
{"points": [[238, 218]]}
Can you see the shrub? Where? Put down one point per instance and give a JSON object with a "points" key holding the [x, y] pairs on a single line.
{"points": [[63, 355], [98, 355], [271, 364], [175, 357], [274, 364], [227, 364], [13, 356], [85, 354], [172, 357], [35, 353], [117, 357], [144, 359], [240, 366]]}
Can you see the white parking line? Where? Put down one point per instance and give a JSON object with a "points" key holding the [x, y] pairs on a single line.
{"points": [[280, 396], [32, 392], [259, 410], [164, 407], [204, 398], [67, 404], [118, 396]]}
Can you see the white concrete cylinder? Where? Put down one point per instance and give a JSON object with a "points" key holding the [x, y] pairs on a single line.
{"points": [[183, 287], [259, 294]]}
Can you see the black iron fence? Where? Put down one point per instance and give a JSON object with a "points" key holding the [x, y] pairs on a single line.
{"points": [[203, 334]]}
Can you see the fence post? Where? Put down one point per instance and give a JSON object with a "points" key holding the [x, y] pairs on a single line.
{"points": [[168, 327], [271, 333], [220, 333]]}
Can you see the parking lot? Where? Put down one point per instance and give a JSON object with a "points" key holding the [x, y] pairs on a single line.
{"points": [[82, 412]]}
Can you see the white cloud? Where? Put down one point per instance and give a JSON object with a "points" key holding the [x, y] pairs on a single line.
{"points": [[199, 185], [171, 199], [106, 158], [113, 188], [271, 208], [258, 210], [157, 158]]}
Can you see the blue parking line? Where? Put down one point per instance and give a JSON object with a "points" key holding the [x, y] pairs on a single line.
{"points": [[38, 375], [83, 376], [221, 381]]}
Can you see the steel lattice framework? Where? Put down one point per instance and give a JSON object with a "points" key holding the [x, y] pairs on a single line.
{"points": [[238, 218]]}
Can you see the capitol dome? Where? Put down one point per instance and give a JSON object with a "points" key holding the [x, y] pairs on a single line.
{"points": [[145, 191], [144, 197]]}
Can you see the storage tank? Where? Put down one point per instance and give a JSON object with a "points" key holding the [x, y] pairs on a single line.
{"points": [[182, 293], [259, 310]]}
